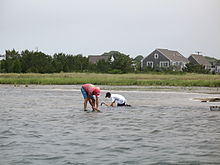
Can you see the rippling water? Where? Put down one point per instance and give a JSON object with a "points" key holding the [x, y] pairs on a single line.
{"points": [[46, 125]]}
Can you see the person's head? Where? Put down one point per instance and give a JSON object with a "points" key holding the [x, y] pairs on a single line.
{"points": [[97, 91], [108, 95]]}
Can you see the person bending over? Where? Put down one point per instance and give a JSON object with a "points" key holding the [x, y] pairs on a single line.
{"points": [[88, 92], [116, 98]]}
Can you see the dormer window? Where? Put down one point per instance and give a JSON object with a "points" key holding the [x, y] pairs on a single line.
{"points": [[156, 56]]}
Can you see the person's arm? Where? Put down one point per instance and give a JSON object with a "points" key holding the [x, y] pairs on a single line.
{"points": [[95, 106], [97, 102], [112, 104], [93, 103], [109, 105]]}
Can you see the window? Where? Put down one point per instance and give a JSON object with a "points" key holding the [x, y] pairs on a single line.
{"points": [[156, 56], [164, 64], [176, 63], [150, 64]]}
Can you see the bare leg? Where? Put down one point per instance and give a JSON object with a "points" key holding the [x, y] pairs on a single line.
{"points": [[92, 103], [85, 104]]}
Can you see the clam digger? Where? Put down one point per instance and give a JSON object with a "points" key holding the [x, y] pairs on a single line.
{"points": [[117, 99], [91, 94]]}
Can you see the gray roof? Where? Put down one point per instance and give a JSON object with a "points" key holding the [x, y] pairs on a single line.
{"points": [[95, 58], [173, 55], [200, 59]]}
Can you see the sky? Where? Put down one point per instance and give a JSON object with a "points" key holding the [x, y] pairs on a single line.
{"points": [[92, 27]]}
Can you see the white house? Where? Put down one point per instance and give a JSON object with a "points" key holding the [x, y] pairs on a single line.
{"points": [[2, 57]]}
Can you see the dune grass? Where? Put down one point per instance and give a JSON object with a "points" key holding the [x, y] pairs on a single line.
{"points": [[203, 80]]}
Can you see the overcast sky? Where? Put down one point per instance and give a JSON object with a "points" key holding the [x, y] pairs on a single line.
{"points": [[92, 27]]}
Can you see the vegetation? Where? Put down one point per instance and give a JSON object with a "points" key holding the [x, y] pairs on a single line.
{"points": [[38, 62], [189, 79], [195, 68], [212, 60], [34, 67]]}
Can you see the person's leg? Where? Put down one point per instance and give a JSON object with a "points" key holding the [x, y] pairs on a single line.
{"points": [[120, 105], [85, 96], [85, 104], [84, 93]]}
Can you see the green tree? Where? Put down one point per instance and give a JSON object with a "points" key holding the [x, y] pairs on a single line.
{"points": [[36, 62], [195, 68], [121, 63], [103, 66], [2, 66], [12, 62], [137, 63], [81, 63], [17, 66], [59, 62]]}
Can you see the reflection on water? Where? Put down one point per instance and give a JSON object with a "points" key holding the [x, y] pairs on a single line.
{"points": [[46, 125]]}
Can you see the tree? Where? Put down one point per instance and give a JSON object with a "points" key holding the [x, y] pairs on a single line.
{"points": [[2, 66], [137, 62], [122, 63], [12, 62], [36, 62], [17, 66], [117, 62], [103, 66], [195, 68], [59, 61], [80, 63], [12, 54]]}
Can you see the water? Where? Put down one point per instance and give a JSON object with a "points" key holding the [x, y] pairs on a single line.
{"points": [[46, 125]]}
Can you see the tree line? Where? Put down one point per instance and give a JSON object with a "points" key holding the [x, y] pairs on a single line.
{"points": [[38, 62]]}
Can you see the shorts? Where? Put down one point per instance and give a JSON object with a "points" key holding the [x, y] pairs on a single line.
{"points": [[85, 94], [121, 104]]}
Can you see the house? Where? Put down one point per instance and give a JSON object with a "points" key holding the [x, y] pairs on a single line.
{"points": [[201, 60], [164, 58], [217, 68], [2, 57], [93, 59]]}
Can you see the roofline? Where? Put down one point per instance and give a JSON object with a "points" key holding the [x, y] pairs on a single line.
{"points": [[158, 51], [94, 55], [148, 55], [164, 54], [196, 59]]}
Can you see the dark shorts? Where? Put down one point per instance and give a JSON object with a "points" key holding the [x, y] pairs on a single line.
{"points": [[121, 105], [85, 94]]}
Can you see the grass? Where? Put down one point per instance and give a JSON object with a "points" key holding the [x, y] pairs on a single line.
{"points": [[203, 80]]}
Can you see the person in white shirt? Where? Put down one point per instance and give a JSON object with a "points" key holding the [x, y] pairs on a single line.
{"points": [[116, 98]]}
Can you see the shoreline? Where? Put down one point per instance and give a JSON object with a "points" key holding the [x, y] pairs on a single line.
{"points": [[193, 89]]}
